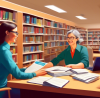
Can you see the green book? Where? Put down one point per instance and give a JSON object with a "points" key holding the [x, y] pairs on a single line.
{"points": [[6, 15]]}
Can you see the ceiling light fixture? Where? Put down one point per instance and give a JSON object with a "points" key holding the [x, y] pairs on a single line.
{"points": [[52, 7], [81, 17]]}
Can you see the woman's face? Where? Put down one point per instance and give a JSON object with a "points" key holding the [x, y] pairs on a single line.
{"points": [[71, 39], [12, 36]]}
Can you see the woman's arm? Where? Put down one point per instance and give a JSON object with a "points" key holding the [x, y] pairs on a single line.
{"points": [[76, 66], [84, 60], [11, 66]]}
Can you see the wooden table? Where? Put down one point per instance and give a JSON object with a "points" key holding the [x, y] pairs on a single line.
{"points": [[73, 88]]}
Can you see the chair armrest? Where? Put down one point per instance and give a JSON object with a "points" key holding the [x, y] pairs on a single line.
{"points": [[5, 89]]}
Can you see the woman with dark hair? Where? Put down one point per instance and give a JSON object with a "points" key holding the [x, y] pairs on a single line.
{"points": [[75, 55], [8, 34]]}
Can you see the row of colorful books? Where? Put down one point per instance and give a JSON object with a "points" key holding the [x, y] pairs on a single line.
{"points": [[92, 38], [95, 47], [93, 35], [33, 29], [93, 43], [48, 38], [32, 20], [6, 15], [32, 48], [32, 39], [53, 31], [53, 44], [57, 24], [49, 23], [94, 32], [32, 57]]}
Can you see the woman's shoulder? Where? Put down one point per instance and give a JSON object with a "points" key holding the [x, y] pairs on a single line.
{"points": [[4, 50], [83, 48]]}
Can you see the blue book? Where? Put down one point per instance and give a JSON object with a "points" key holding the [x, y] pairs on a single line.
{"points": [[35, 20], [43, 30], [32, 29], [31, 48], [32, 21], [27, 58], [27, 19], [26, 39]]}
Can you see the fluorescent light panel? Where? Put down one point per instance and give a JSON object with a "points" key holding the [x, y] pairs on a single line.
{"points": [[81, 17], [52, 7]]}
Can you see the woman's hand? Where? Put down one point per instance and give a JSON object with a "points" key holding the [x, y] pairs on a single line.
{"points": [[70, 66], [76, 66], [40, 72]]}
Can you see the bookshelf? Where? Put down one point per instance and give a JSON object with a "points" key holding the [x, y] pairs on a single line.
{"points": [[33, 45], [8, 15], [94, 39]]}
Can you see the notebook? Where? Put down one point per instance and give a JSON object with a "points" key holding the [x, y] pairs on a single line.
{"points": [[35, 66], [87, 77]]}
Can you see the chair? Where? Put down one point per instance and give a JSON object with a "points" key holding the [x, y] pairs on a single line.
{"points": [[90, 52], [6, 89]]}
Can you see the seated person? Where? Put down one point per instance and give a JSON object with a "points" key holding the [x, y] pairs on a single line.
{"points": [[75, 55]]}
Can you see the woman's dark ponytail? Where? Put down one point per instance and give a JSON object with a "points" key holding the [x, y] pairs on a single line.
{"points": [[5, 27]]}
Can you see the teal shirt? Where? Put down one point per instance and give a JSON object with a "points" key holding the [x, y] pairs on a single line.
{"points": [[80, 56], [8, 66]]}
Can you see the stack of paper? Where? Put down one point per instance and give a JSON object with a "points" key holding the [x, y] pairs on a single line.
{"points": [[59, 71], [55, 82], [87, 77], [79, 71], [35, 66]]}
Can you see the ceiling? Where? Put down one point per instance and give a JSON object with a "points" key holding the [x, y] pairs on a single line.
{"points": [[89, 8]]}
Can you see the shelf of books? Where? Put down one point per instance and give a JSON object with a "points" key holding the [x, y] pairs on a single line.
{"points": [[8, 15], [83, 35], [33, 45], [94, 39]]}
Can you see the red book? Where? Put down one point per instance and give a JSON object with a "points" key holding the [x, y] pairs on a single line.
{"points": [[37, 56], [26, 29], [23, 29], [1, 14], [66, 26], [37, 30], [40, 56], [46, 30], [41, 30], [32, 56]]}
